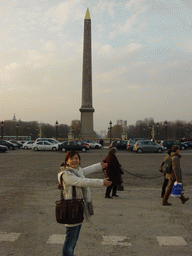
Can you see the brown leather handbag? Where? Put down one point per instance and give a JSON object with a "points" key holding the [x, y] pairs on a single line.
{"points": [[69, 211]]}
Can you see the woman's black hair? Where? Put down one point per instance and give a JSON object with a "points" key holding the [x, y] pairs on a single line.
{"points": [[70, 154]]}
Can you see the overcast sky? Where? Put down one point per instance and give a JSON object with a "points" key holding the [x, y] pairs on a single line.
{"points": [[141, 60]]}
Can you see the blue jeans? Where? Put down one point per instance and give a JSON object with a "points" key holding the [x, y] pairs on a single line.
{"points": [[72, 234]]}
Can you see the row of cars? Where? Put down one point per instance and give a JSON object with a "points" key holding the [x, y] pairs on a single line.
{"points": [[140, 145], [50, 144], [5, 145]]}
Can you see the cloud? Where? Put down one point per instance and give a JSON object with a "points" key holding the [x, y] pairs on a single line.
{"points": [[6, 72], [127, 25], [155, 39], [184, 43], [63, 13], [104, 6], [133, 25], [107, 51], [49, 46], [136, 5]]}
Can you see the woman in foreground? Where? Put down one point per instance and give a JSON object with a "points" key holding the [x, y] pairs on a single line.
{"points": [[74, 175]]}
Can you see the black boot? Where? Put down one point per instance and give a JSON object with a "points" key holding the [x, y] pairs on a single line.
{"points": [[184, 199]]}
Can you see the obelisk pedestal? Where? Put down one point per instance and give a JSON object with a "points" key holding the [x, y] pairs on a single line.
{"points": [[87, 108]]}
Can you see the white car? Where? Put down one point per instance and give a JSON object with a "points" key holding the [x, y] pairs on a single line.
{"points": [[49, 140], [28, 144], [93, 144], [44, 145]]}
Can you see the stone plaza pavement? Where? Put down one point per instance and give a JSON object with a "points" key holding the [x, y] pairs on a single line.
{"points": [[134, 224]]}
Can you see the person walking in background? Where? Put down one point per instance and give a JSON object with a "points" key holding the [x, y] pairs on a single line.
{"points": [[101, 142], [113, 172], [175, 175], [166, 181], [74, 175]]}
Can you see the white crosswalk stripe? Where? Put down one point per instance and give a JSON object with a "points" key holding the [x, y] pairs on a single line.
{"points": [[9, 237], [171, 240], [56, 239], [116, 240]]}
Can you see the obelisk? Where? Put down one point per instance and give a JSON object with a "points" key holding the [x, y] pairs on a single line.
{"points": [[87, 108]]}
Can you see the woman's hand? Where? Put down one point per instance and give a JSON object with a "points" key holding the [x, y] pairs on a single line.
{"points": [[104, 165], [107, 182]]}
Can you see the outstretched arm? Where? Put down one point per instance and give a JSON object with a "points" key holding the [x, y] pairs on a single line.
{"points": [[94, 168], [72, 180]]}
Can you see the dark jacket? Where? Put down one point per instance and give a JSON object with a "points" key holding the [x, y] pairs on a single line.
{"points": [[113, 170], [176, 173]]}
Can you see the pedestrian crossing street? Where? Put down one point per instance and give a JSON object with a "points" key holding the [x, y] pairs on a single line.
{"points": [[106, 240]]}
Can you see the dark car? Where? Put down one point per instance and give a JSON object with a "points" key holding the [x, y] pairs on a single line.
{"points": [[188, 143], [80, 142], [119, 144], [72, 145], [19, 144], [3, 148], [7, 144], [167, 144]]}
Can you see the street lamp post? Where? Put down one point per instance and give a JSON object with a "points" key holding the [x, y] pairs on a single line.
{"points": [[28, 131], [17, 131], [157, 131], [2, 129], [165, 130], [110, 124], [57, 124], [144, 133], [149, 131], [37, 131]]}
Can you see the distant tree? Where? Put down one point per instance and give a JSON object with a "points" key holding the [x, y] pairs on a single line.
{"points": [[180, 130], [47, 130], [76, 125], [63, 131]]}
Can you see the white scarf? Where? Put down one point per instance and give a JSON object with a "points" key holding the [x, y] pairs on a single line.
{"points": [[88, 204]]}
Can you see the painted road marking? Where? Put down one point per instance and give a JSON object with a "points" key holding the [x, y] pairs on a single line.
{"points": [[9, 237], [116, 240], [56, 239], [171, 240]]}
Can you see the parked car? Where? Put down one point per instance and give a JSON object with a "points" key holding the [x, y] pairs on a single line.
{"points": [[93, 144], [188, 143], [17, 143], [147, 146], [80, 142], [7, 144], [28, 144], [22, 141], [131, 142], [167, 144], [119, 144], [3, 148], [72, 145], [44, 145], [49, 140]]}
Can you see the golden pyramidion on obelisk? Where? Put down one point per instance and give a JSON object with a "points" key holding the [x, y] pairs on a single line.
{"points": [[87, 16]]}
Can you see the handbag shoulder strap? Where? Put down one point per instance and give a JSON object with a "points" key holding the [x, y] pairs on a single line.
{"points": [[61, 188]]}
